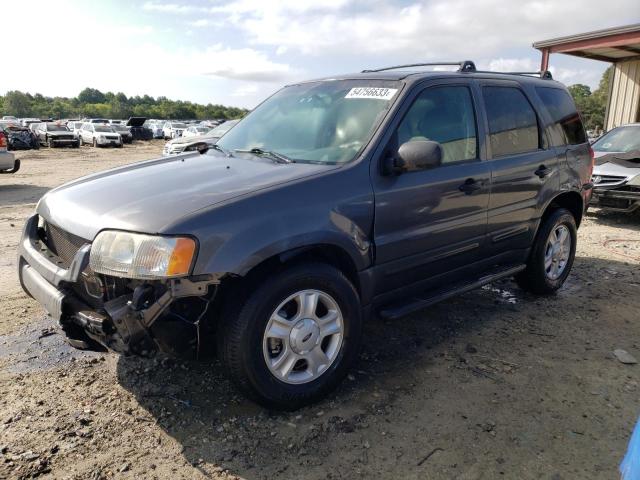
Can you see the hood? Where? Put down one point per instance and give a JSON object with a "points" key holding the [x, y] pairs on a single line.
{"points": [[150, 196], [136, 121]]}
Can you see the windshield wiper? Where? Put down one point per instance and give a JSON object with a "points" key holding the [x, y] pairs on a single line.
{"points": [[278, 157]]}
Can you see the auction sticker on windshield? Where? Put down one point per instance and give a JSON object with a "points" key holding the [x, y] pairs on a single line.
{"points": [[372, 92]]}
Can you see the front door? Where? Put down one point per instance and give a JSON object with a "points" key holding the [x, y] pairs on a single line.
{"points": [[431, 224]]}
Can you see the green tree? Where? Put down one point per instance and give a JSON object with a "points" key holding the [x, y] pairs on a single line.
{"points": [[17, 103], [592, 105]]}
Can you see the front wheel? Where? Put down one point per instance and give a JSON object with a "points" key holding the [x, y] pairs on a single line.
{"points": [[80, 141], [294, 338], [552, 254]]}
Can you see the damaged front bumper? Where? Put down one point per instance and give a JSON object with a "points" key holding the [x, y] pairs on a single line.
{"points": [[129, 322], [623, 198]]}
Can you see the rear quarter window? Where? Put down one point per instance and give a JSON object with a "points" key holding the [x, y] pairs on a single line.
{"points": [[566, 120]]}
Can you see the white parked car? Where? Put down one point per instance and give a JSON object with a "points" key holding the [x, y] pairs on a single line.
{"points": [[195, 131], [99, 135], [8, 163], [173, 129], [156, 128]]}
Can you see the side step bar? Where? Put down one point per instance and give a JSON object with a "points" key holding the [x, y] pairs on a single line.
{"points": [[406, 307]]}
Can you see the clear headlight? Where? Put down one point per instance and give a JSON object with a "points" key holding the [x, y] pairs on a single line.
{"points": [[134, 255]]}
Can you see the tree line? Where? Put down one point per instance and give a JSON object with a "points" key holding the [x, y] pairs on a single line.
{"points": [[592, 105], [93, 103]]}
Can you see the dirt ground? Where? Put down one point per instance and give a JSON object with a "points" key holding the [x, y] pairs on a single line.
{"points": [[493, 384]]}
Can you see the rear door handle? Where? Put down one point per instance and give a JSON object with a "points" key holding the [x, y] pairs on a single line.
{"points": [[470, 186], [543, 171]]}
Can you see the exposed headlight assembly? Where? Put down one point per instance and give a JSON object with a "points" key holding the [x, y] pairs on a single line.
{"points": [[139, 256]]}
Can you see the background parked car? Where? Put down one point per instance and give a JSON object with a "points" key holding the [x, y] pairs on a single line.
{"points": [[74, 127], [156, 128], [99, 135], [124, 131], [173, 130], [138, 130], [56, 135], [616, 174], [201, 143], [18, 137], [25, 122], [195, 131], [8, 163]]}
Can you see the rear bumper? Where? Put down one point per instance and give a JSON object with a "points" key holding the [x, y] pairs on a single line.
{"points": [[7, 161]]}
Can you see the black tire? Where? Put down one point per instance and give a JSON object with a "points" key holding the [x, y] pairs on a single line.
{"points": [[535, 278], [80, 141], [95, 143], [51, 143], [240, 335]]}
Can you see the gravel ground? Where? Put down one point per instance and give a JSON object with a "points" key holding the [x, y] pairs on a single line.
{"points": [[495, 383]]}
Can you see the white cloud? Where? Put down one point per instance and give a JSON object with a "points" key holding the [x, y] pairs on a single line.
{"points": [[245, 91], [427, 30], [173, 8]]}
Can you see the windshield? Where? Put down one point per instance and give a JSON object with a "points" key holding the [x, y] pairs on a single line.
{"points": [[178, 125], [621, 139], [326, 122], [52, 127], [120, 128], [103, 129]]}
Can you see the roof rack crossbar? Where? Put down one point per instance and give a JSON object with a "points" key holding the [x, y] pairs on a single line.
{"points": [[463, 66], [545, 74]]}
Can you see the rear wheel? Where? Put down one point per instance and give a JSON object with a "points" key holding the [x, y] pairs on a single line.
{"points": [[294, 338], [95, 142], [552, 255]]}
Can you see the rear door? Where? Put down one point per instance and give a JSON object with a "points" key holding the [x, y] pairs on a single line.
{"points": [[430, 224], [524, 169], [568, 134]]}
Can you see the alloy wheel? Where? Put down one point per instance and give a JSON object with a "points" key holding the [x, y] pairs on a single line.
{"points": [[303, 337]]}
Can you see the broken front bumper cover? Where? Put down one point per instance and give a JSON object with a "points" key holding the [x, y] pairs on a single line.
{"points": [[122, 325], [621, 199]]}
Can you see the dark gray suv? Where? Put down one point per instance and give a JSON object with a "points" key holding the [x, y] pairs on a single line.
{"points": [[384, 191]]}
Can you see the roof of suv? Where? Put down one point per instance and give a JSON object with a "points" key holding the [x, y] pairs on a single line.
{"points": [[413, 76]]}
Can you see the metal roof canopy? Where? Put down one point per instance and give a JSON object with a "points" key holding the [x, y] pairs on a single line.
{"points": [[608, 45]]}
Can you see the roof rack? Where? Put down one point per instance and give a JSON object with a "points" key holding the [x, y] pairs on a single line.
{"points": [[463, 66]]}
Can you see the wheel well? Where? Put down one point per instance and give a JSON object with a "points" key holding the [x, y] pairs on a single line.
{"points": [[572, 201], [330, 254]]}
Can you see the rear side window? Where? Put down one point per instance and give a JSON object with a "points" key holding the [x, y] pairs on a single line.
{"points": [[564, 114], [513, 125]]}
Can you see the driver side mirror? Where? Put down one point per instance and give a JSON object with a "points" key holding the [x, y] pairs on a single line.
{"points": [[414, 155]]}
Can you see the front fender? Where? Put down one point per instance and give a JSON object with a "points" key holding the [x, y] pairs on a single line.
{"points": [[333, 209]]}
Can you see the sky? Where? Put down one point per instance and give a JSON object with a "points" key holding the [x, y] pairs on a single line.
{"points": [[237, 52]]}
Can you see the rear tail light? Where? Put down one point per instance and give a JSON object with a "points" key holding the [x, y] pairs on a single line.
{"points": [[3, 141]]}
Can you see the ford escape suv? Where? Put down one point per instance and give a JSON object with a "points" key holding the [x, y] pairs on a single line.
{"points": [[383, 191]]}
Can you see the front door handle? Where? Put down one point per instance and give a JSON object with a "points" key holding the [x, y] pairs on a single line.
{"points": [[470, 186], [542, 171]]}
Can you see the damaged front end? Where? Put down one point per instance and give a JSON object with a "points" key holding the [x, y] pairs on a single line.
{"points": [[616, 182], [138, 317]]}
